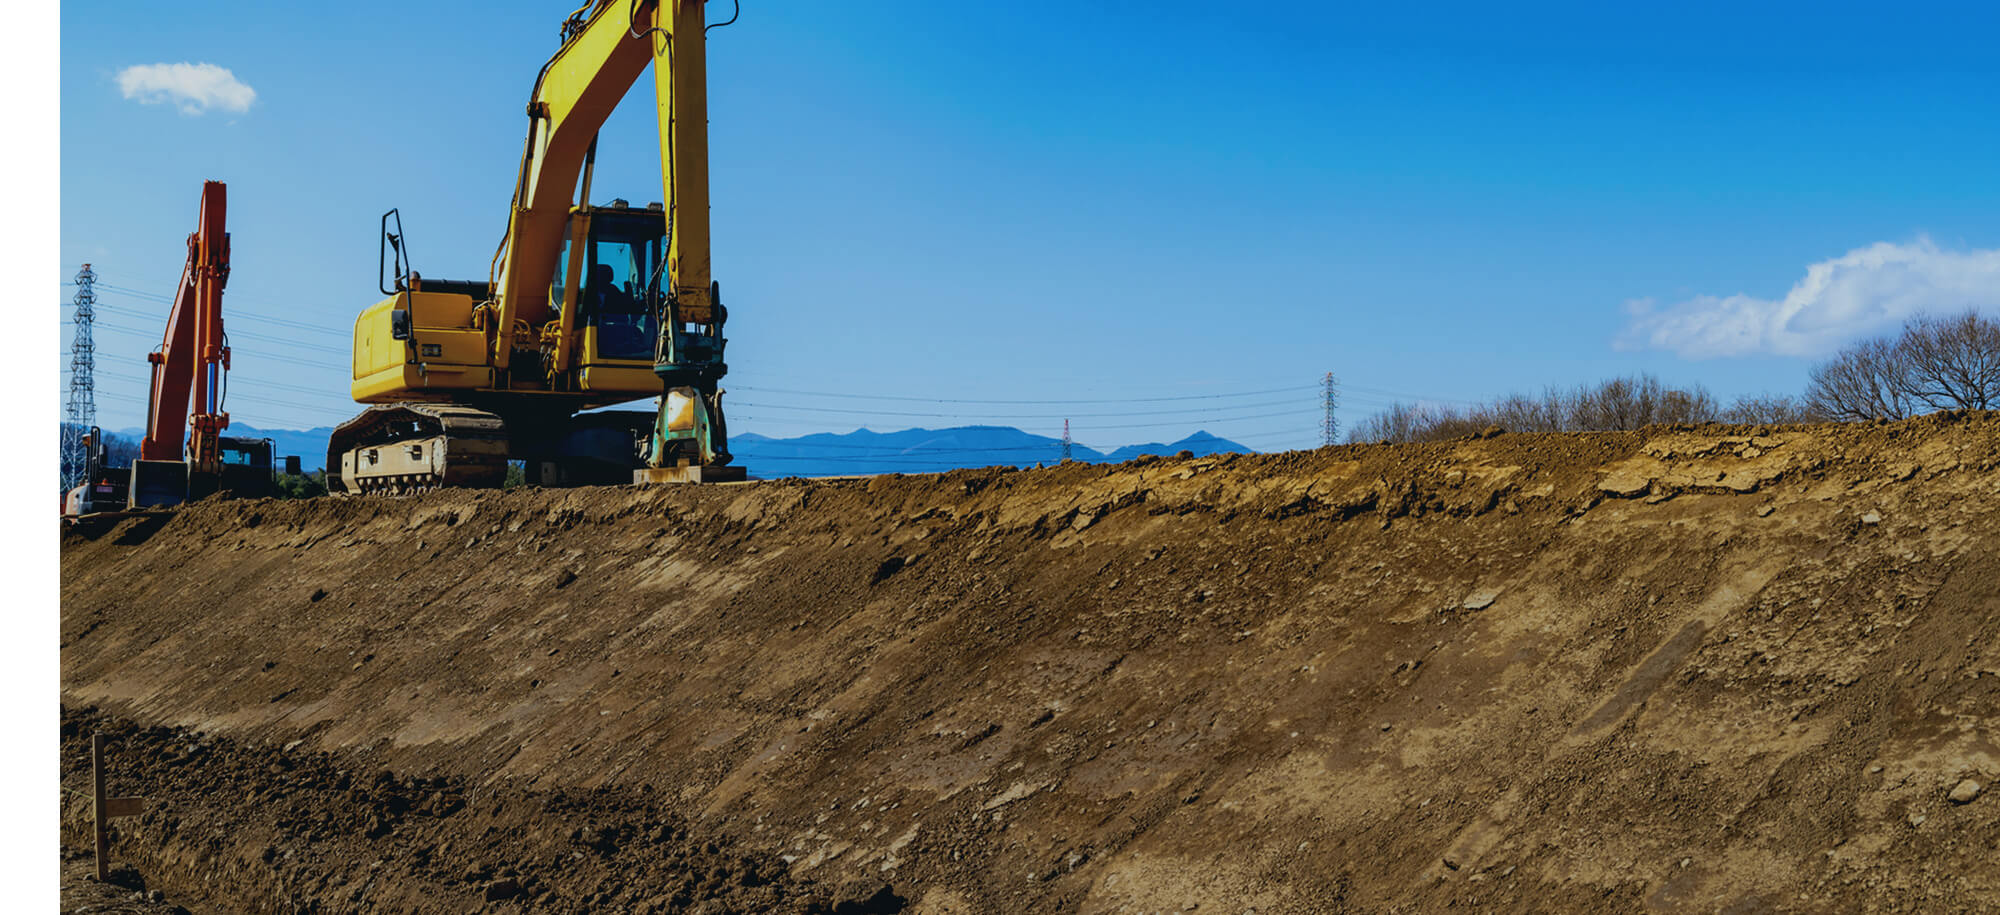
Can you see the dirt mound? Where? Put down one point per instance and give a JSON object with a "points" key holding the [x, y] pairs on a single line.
{"points": [[314, 834], [1690, 668]]}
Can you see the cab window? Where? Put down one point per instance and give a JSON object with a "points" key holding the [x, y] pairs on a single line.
{"points": [[623, 257]]}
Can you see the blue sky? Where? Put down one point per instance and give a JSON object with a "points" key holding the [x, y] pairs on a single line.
{"points": [[1109, 201]]}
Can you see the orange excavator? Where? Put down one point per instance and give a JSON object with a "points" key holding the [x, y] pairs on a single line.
{"points": [[184, 454]]}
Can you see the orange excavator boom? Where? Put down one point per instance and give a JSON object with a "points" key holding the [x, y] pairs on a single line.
{"points": [[193, 359], [184, 454]]}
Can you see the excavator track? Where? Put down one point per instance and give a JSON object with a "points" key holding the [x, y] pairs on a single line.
{"points": [[407, 447]]}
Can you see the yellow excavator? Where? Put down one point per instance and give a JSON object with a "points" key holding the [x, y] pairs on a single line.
{"points": [[583, 306]]}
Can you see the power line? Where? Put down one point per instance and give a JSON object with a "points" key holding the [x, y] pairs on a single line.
{"points": [[748, 446], [235, 310], [922, 460], [850, 396], [276, 402], [289, 360], [889, 449], [1217, 413], [1381, 392], [1184, 420], [749, 453], [1402, 394], [1210, 421], [293, 404], [1011, 416], [751, 448], [840, 459], [252, 335], [1399, 396]]}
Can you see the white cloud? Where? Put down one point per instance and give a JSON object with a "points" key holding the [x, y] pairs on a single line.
{"points": [[194, 88], [1863, 291]]}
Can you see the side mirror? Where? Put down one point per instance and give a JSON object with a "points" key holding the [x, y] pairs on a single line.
{"points": [[399, 261], [291, 465], [399, 323]]}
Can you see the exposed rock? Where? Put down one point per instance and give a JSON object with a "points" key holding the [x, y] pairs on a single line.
{"points": [[1626, 484]]}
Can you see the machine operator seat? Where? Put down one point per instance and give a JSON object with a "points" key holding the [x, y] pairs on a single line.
{"points": [[624, 328]]}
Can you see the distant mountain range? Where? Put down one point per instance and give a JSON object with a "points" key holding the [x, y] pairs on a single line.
{"points": [[827, 454], [933, 450]]}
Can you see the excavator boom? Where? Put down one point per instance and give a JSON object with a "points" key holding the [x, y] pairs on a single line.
{"points": [[193, 356], [184, 453]]}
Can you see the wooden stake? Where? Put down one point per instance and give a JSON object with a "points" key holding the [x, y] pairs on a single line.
{"points": [[97, 811]]}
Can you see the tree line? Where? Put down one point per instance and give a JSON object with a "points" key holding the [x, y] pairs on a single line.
{"points": [[1932, 364]]}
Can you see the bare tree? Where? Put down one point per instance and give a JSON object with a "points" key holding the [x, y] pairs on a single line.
{"points": [[1860, 383], [1771, 408], [1610, 406], [1935, 364], [1617, 404], [1951, 363], [1629, 403], [1676, 405], [1396, 424], [1415, 423], [1521, 413]]}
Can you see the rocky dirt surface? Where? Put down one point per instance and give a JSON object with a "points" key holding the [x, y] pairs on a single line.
{"points": [[337, 838], [125, 893], [1704, 669]]}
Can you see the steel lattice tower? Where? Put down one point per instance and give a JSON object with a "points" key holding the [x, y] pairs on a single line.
{"points": [[1066, 440], [80, 412], [1329, 398]]}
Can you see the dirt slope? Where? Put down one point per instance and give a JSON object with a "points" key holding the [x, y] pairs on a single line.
{"points": [[1682, 669]]}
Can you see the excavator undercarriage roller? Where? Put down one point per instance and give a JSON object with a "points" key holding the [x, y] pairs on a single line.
{"points": [[406, 447], [409, 447]]}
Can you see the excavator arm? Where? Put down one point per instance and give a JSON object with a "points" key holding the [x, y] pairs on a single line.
{"points": [[608, 44], [192, 357]]}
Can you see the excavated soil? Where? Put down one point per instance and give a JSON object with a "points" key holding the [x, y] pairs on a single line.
{"points": [[1700, 669]]}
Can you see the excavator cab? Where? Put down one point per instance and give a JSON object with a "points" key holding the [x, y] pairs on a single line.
{"points": [[619, 297]]}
